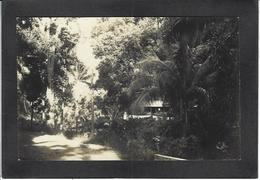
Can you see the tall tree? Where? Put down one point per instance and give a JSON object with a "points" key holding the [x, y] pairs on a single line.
{"points": [[120, 43], [45, 50], [32, 82], [193, 54], [81, 76]]}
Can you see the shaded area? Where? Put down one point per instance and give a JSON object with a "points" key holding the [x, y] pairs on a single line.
{"points": [[39, 146], [164, 85]]}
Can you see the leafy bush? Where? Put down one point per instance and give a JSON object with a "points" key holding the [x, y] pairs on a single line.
{"points": [[69, 134], [138, 150], [140, 139], [184, 147], [24, 123], [133, 138]]}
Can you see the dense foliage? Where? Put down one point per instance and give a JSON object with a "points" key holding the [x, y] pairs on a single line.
{"points": [[190, 64], [46, 60]]}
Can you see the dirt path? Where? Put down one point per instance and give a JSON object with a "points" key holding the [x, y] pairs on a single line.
{"points": [[36, 146]]}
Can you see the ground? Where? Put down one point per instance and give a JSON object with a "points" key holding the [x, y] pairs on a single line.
{"points": [[40, 146]]}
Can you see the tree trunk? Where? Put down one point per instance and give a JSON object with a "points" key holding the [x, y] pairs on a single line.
{"points": [[185, 113], [76, 126], [181, 110], [41, 117], [44, 118], [61, 117], [92, 118], [76, 115], [55, 123], [31, 115], [184, 116]]}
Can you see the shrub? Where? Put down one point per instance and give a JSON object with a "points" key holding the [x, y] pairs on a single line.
{"points": [[184, 147], [69, 134], [138, 150], [139, 139]]}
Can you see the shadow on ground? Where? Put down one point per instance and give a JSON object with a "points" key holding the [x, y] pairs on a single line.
{"points": [[40, 146]]}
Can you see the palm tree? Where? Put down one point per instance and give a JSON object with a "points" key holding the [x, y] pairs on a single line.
{"points": [[179, 77], [81, 75]]}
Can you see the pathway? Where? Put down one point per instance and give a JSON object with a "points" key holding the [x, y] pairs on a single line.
{"points": [[36, 146]]}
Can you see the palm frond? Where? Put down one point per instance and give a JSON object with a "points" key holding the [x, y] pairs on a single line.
{"points": [[87, 83], [204, 69], [144, 80], [211, 79], [167, 80], [146, 96], [84, 76], [153, 62], [199, 93], [81, 73], [200, 53]]}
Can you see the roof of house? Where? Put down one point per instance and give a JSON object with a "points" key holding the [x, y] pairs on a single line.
{"points": [[156, 103]]}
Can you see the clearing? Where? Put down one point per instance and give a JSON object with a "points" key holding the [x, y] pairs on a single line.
{"points": [[40, 146]]}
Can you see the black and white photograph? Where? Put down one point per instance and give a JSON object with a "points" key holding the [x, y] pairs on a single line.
{"points": [[128, 88]]}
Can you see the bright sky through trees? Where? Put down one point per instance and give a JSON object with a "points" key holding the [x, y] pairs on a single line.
{"points": [[101, 79], [83, 49], [84, 52]]}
